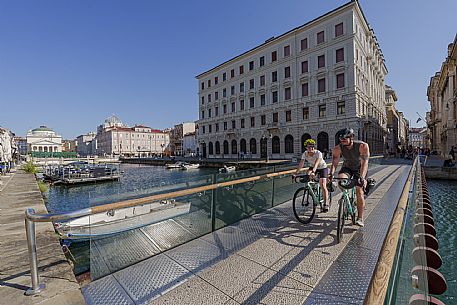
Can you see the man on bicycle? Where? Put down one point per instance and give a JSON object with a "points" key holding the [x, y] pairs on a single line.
{"points": [[355, 154], [317, 165]]}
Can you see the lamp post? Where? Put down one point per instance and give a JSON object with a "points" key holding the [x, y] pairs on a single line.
{"points": [[265, 138]]}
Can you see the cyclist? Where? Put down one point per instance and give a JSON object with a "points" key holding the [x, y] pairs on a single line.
{"points": [[355, 154], [317, 165]]}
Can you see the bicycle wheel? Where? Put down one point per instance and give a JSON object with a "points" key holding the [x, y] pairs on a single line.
{"points": [[342, 214], [354, 210], [303, 206]]}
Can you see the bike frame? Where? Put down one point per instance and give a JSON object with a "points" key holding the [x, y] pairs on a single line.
{"points": [[350, 198], [314, 195]]}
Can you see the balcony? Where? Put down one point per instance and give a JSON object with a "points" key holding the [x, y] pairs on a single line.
{"points": [[274, 126]]}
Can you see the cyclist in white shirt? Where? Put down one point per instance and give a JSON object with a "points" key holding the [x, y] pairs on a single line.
{"points": [[317, 166]]}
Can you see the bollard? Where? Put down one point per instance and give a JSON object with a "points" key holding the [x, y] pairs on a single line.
{"points": [[31, 242]]}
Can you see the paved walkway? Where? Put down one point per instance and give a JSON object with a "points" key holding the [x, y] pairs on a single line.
{"points": [[266, 259], [18, 192]]}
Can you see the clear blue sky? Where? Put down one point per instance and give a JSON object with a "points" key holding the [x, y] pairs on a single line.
{"points": [[71, 64]]}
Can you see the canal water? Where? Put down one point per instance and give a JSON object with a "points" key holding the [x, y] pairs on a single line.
{"points": [[443, 195]]}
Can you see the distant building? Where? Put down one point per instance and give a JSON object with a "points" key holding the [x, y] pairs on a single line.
{"points": [[8, 148], [442, 95], [397, 125], [189, 144], [116, 139], [418, 137], [69, 145], [311, 81], [177, 136], [43, 139], [86, 144], [21, 144]]}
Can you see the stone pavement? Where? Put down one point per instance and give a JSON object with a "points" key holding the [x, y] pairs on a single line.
{"points": [[269, 258], [18, 192]]}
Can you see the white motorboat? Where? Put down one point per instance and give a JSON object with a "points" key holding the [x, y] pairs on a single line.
{"points": [[187, 166], [174, 165], [227, 169], [116, 221]]}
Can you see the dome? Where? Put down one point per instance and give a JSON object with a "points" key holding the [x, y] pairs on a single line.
{"points": [[113, 120], [43, 129]]}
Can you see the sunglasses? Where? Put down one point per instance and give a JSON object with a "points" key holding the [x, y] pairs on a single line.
{"points": [[344, 138], [310, 146]]}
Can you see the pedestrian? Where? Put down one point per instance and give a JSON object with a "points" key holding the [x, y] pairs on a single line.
{"points": [[452, 152]]}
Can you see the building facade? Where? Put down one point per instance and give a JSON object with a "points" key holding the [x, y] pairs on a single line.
{"points": [[116, 139], [442, 95], [418, 137], [86, 144], [189, 144], [177, 137], [43, 139], [21, 144], [307, 83]]}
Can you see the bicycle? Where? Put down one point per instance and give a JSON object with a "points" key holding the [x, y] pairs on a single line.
{"points": [[347, 205], [307, 198]]}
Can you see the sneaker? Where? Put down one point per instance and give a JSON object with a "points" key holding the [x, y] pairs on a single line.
{"points": [[359, 222], [325, 208]]}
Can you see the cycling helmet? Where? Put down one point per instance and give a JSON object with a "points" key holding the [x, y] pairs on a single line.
{"points": [[309, 142], [345, 133]]}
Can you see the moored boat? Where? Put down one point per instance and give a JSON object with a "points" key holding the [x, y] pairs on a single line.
{"points": [[187, 166]]}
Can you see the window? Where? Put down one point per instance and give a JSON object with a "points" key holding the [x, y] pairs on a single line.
{"points": [[209, 98], [262, 80], [304, 44], [286, 51], [341, 108], [275, 146], [209, 112], [305, 113], [304, 66], [262, 61], [241, 70], [224, 92], [242, 123], [218, 148], [233, 124], [216, 80], [274, 76], [224, 77], [287, 93], [251, 102], [253, 146], [340, 80], [232, 90], [252, 121], [251, 84], [339, 29], [203, 86], [274, 96], [275, 117], [225, 109], [287, 72], [203, 99], [232, 73], [233, 107], [210, 129], [225, 125], [204, 129], [216, 110], [340, 55], [251, 65], [274, 56], [288, 115], [289, 144], [242, 87], [216, 95], [304, 89], [320, 37], [263, 119], [321, 61], [321, 85], [322, 111], [242, 105], [226, 148], [217, 127], [203, 114], [262, 100], [209, 83], [234, 147]]}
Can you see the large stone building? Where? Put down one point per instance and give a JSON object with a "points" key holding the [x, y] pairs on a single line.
{"points": [[177, 137], [116, 139], [418, 137], [320, 77], [86, 144], [442, 95], [43, 139], [397, 125]]}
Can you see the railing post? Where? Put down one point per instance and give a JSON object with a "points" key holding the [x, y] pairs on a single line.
{"points": [[213, 205], [31, 242]]}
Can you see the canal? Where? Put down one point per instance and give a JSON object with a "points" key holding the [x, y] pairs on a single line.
{"points": [[443, 194]]}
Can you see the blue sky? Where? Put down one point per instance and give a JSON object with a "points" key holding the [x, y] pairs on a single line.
{"points": [[71, 64]]}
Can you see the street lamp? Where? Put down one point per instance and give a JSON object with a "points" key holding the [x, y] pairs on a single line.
{"points": [[265, 138]]}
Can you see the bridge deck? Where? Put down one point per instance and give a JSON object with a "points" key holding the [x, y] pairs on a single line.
{"points": [[269, 258]]}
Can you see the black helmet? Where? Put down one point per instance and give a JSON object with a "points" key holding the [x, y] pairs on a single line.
{"points": [[345, 133]]}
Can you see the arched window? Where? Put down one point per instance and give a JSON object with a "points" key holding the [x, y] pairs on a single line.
{"points": [[210, 148], [253, 146], [304, 137], [289, 144], [40, 148], [243, 146], [218, 148], [226, 150], [275, 146], [46, 149], [322, 141], [234, 147]]}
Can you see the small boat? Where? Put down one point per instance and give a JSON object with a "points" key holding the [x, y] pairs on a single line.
{"points": [[187, 166], [174, 165], [116, 221], [227, 169]]}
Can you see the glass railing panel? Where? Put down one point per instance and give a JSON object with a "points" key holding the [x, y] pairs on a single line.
{"points": [[284, 189], [237, 202], [239, 174]]}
